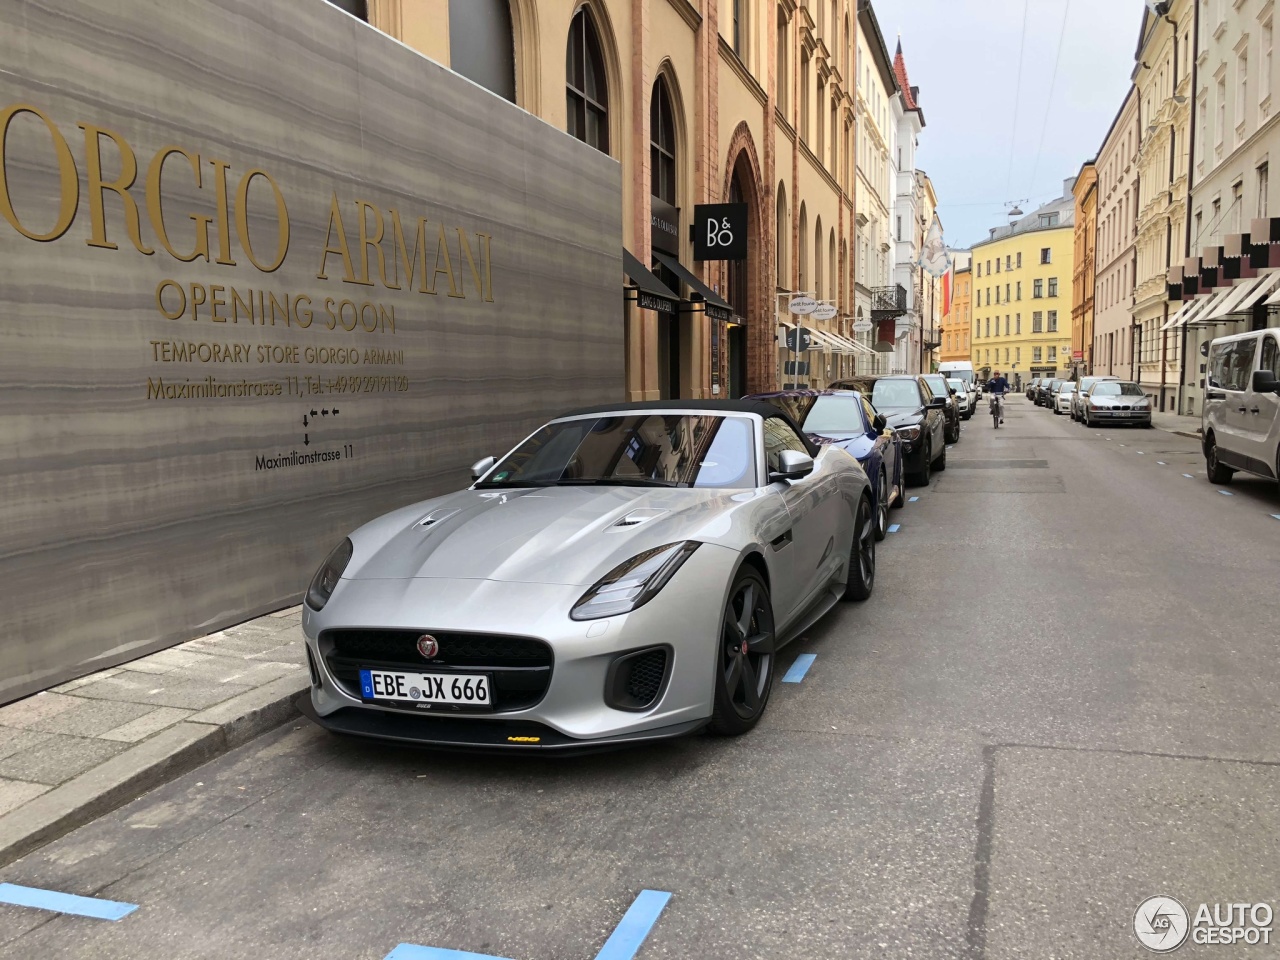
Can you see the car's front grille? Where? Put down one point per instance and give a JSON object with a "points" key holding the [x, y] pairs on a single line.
{"points": [[520, 666]]}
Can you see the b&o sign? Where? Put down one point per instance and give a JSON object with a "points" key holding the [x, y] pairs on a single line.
{"points": [[720, 231]]}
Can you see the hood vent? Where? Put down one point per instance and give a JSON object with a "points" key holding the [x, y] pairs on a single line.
{"points": [[435, 516], [637, 517]]}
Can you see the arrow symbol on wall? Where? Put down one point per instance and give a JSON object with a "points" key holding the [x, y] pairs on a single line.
{"points": [[305, 421], [313, 413], [324, 413], [306, 440], [335, 411]]}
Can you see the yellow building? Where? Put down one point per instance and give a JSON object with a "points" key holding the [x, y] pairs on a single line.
{"points": [[1022, 277], [956, 325]]}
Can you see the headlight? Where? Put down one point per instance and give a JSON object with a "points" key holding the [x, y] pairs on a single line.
{"points": [[633, 584], [908, 433], [1142, 404], [326, 578]]}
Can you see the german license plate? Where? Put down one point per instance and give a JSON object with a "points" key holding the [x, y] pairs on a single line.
{"points": [[458, 689]]}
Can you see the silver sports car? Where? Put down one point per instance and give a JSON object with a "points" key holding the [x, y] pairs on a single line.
{"points": [[626, 573]]}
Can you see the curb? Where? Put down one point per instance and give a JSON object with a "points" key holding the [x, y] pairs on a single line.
{"points": [[151, 763]]}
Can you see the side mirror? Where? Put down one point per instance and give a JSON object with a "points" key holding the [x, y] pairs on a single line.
{"points": [[792, 465], [481, 467], [1264, 381], [879, 423], [937, 403]]}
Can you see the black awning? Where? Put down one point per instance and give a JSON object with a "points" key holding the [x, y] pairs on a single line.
{"points": [[651, 293], [717, 308]]}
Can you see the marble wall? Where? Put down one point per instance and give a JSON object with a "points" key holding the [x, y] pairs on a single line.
{"points": [[264, 274]]}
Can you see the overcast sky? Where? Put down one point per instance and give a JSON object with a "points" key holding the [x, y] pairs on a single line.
{"points": [[963, 55]]}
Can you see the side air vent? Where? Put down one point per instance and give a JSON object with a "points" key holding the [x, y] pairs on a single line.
{"points": [[636, 680], [435, 516]]}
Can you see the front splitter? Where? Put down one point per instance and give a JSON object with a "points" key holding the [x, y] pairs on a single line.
{"points": [[476, 736]]}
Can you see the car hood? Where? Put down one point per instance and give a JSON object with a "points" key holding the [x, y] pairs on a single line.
{"points": [[857, 444], [902, 416], [556, 535], [1115, 401]]}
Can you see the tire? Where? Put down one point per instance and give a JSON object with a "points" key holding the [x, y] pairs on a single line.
{"points": [[744, 677], [882, 507], [1088, 421], [1213, 468], [901, 501], [942, 461], [862, 555], [925, 473]]}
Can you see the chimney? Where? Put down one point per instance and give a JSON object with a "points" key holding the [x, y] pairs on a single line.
{"points": [[1068, 185]]}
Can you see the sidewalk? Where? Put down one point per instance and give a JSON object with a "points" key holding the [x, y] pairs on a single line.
{"points": [[72, 753], [1176, 423]]}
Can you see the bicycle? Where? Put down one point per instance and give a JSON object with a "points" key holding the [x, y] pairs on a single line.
{"points": [[997, 409]]}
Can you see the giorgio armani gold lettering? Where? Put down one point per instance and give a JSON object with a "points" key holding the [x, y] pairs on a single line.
{"points": [[379, 257]]}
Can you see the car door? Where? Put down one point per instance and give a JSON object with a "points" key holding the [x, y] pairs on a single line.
{"points": [[800, 551], [935, 420], [1262, 414], [1239, 372]]}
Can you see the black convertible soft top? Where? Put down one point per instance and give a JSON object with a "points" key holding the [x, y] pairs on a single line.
{"points": [[761, 408]]}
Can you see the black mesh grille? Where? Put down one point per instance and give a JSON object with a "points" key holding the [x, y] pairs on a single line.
{"points": [[645, 679], [635, 680], [520, 667]]}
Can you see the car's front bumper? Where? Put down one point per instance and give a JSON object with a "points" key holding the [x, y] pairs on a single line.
{"points": [[684, 618], [1121, 416]]}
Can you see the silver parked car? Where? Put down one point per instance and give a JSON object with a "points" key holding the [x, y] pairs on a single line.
{"points": [[626, 573], [1116, 401], [1077, 399]]}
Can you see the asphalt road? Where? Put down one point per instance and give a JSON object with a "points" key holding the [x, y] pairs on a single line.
{"points": [[1061, 700]]}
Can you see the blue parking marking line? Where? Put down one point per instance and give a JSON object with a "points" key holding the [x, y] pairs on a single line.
{"points": [[1226, 493], [912, 499], [1275, 516], [1141, 454], [895, 527], [94, 907], [1162, 463], [1188, 476], [410, 951], [800, 668], [635, 925]]}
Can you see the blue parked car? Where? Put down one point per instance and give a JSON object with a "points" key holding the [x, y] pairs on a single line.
{"points": [[847, 419]]}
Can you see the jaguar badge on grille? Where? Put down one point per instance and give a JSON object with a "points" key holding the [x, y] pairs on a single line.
{"points": [[428, 646]]}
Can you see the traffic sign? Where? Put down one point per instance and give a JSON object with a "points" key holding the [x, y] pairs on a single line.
{"points": [[806, 339]]}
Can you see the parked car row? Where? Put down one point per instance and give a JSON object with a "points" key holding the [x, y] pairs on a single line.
{"points": [[1093, 400], [626, 573]]}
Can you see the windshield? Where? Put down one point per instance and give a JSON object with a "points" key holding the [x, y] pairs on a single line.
{"points": [[1109, 388], [895, 393], [957, 385], [938, 385], [835, 415], [641, 450], [1067, 388], [964, 375]]}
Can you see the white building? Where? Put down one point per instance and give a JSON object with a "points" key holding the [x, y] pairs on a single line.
{"points": [[876, 132], [909, 219]]}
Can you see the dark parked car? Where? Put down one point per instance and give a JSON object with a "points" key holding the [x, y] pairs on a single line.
{"points": [[938, 385], [917, 416], [1044, 392], [1031, 387], [846, 419]]}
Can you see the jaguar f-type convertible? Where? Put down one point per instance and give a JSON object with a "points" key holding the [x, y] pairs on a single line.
{"points": [[626, 573]]}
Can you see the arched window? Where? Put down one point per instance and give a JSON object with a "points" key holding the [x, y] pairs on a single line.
{"points": [[782, 237], [481, 45], [833, 281], [784, 41], [357, 8], [848, 42], [817, 261], [804, 250], [587, 89], [662, 144], [740, 29]]}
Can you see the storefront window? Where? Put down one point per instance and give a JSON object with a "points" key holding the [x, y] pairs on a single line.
{"points": [[481, 46], [662, 144]]}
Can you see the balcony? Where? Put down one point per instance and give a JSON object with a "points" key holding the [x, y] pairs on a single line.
{"points": [[888, 302]]}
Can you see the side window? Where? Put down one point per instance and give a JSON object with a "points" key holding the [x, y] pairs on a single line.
{"points": [[779, 436], [926, 394], [1270, 355], [1219, 361], [868, 411], [1241, 368]]}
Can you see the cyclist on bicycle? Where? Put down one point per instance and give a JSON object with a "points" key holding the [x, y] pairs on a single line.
{"points": [[998, 386]]}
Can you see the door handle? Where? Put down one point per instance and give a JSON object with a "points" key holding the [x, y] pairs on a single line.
{"points": [[780, 541], [1241, 409], [1254, 410]]}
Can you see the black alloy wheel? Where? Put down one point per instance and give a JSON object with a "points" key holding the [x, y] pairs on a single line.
{"points": [[942, 461], [744, 656], [862, 555], [1213, 466], [882, 506], [925, 473]]}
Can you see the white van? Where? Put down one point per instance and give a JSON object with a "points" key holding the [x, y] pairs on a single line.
{"points": [[1241, 419], [957, 370]]}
